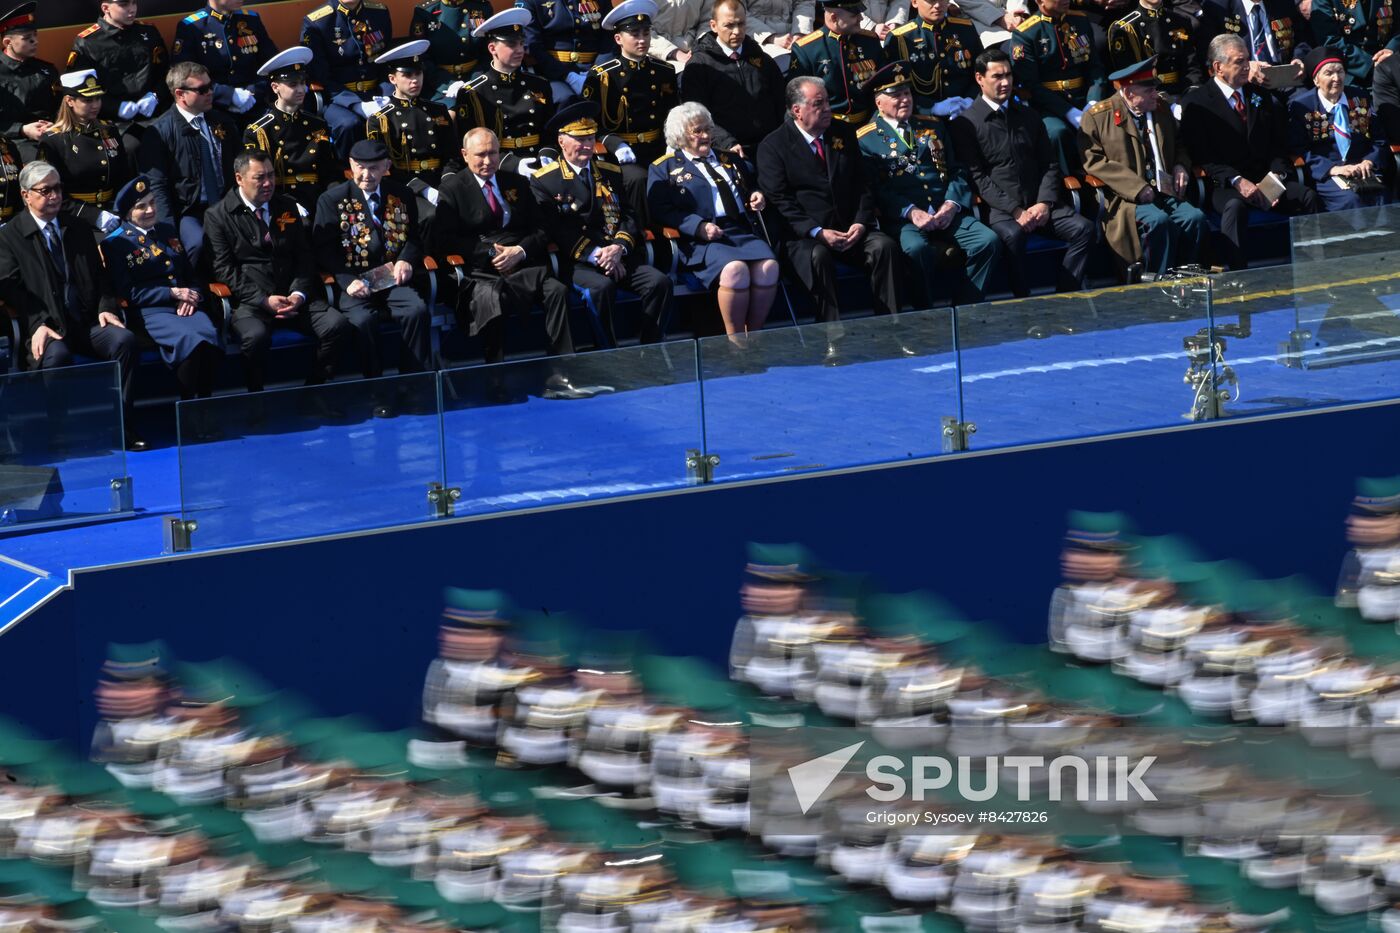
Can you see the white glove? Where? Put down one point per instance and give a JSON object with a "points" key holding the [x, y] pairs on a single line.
{"points": [[302, 211], [527, 167], [963, 103], [368, 108], [1074, 116], [242, 100], [574, 80], [127, 110], [1176, 111], [546, 160], [431, 195], [453, 88], [625, 155], [107, 221], [147, 103], [946, 107]]}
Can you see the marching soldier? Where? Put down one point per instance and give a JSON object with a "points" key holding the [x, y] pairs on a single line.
{"points": [[563, 38], [86, 150], [231, 42], [843, 56], [940, 50], [418, 132], [634, 93], [1056, 68], [919, 190], [29, 88], [1364, 29], [299, 142], [1154, 28], [512, 103], [454, 48], [344, 41], [130, 60]]}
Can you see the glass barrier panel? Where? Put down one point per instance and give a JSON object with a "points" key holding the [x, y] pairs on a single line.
{"points": [[823, 396], [1088, 363], [293, 463], [1306, 340], [1341, 234], [562, 429], [62, 456]]}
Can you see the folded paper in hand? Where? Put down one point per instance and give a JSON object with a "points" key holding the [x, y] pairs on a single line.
{"points": [[380, 277], [1271, 187]]}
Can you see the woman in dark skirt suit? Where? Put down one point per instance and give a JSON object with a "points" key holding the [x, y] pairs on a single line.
{"points": [[152, 277], [710, 197]]}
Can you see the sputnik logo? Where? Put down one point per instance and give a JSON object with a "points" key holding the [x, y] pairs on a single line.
{"points": [[811, 778]]}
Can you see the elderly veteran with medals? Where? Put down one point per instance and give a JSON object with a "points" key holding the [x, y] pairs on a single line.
{"points": [[86, 150], [922, 194], [28, 85], [1334, 128], [711, 198], [299, 142], [1131, 144], [152, 278], [601, 245], [503, 98]]}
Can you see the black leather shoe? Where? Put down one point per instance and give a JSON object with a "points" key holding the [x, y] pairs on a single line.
{"points": [[558, 386], [135, 443]]}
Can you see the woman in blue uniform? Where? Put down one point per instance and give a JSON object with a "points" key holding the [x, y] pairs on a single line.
{"points": [[1335, 129], [152, 278], [709, 197]]}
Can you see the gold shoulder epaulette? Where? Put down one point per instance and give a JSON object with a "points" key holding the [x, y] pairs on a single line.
{"points": [[610, 167], [810, 37], [663, 159], [960, 20], [1030, 21], [1099, 106], [907, 27], [868, 128], [321, 12], [551, 167]]}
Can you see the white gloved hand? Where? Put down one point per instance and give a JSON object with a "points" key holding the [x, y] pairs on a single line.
{"points": [[546, 160], [625, 155], [963, 104], [302, 211], [430, 195], [242, 100], [527, 167], [1074, 117], [368, 108], [127, 110], [946, 107], [1176, 111], [147, 103], [574, 80], [453, 88], [107, 221]]}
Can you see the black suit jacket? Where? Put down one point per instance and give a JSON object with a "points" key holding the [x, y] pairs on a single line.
{"points": [[1009, 157], [1225, 146], [803, 192], [251, 268], [1220, 16], [172, 155], [30, 284], [362, 245], [1386, 91], [464, 225], [745, 98]]}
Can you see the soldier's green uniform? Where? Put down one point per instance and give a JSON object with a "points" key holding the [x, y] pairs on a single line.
{"points": [[843, 63], [1058, 74], [940, 56], [1165, 33], [1360, 27]]}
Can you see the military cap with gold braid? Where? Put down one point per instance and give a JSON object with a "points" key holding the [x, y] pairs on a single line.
{"points": [[21, 17], [81, 84], [577, 119], [1144, 72], [894, 75]]}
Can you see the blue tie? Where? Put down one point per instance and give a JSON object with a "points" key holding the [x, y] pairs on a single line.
{"points": [[1341, 128], [212, 181], [1260, 35]]}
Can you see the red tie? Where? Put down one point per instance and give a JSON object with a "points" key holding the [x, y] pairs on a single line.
{"points": [[491, 202], [1239, 106], [821, 153]]}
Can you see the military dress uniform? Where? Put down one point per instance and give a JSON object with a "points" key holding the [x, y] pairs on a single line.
{"points": [[843, 63], [563, 40], [344, 42], [1058, 74], [1361, 27], [514, 106], [1315, 133], [232, 46], [940, 56], [635, 98], [130, 63], [301, 150], [91, 160], [29, 88], [419, 135], [454, 51], [1159, 31]]}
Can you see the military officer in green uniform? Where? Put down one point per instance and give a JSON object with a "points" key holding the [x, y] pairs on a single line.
{"points": [[299, 142], [29, 86], [1154, 28], [843, 56], [418, 132], [454, 49], [510, 102], [1364, 29], [1058, 73], [940, 50], [922, 196]]}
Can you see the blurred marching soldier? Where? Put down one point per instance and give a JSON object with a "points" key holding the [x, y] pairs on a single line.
{"points": [[130, 60], [344, 42], [299, 142], [843, 56], [231, 42], [454, 49], [512, 103], [634, 93], [1154, 28], [1058, 71], [940, 50], [1131, 144], [85, 149], [1364, 29], [418, 132], [29, 88], [563, 39], [922, 195]]}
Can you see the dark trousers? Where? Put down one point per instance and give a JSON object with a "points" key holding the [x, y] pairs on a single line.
{"points": [[652, 286], [1066, 225], [409, 311], [1234, 215], [518, 292], [814, 264], [192, 237], [104, 343], [254, 327]]}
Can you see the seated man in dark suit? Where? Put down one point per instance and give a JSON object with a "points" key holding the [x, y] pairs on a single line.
{"points": [[52, 274], [188, 155], [1014, 168], [261, 250], [811, 171], [366, 235], [491, 220], [1237, 136]]}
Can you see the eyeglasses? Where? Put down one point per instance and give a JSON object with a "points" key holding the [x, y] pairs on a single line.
{"points": [[46, 191], [202, 89]]}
